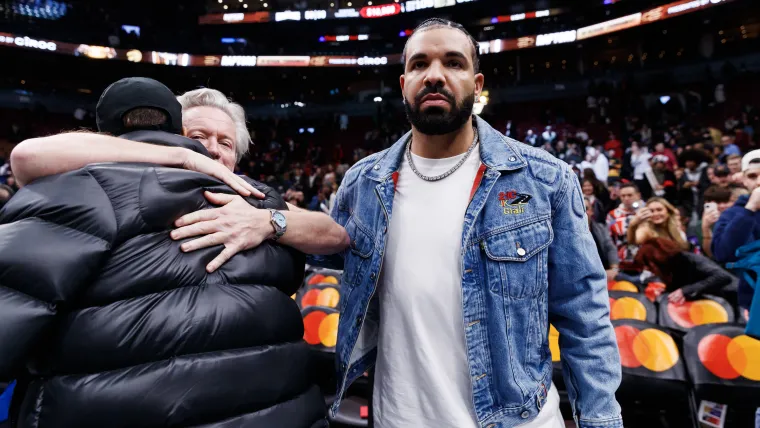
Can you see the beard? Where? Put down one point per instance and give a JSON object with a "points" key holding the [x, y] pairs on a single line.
{"points": [[435, 120]]}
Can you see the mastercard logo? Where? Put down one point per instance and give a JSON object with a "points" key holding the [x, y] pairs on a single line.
{"points": [[327, 297], [554, 343], [321, 328], [627, 308], [622, 286], [322, 279], [697, 312], [729, 358], [653, 349]]}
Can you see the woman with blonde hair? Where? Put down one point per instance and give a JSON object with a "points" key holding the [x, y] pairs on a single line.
{"points": [[660, 217]]}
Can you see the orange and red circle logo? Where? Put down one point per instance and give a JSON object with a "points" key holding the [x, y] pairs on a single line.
{"points": [[651, 348], [627, 308], [729, 358], [326, 297], [321, 328], [622, 286], [697, 312]]}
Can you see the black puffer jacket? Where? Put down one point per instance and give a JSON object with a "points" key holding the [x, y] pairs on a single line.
{"points": [[106, 323]]}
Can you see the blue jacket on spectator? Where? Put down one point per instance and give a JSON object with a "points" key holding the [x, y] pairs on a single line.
{"points": [[736, 227]]}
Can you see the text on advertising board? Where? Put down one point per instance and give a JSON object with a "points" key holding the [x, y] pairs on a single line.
{"points": [[26, 42], [238, 61], [380, 11], [555, 38]]}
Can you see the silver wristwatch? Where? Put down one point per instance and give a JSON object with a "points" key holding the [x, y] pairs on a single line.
{"points": [[280, 224]]}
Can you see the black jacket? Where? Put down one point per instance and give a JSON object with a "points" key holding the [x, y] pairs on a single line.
{"points": [[106, 323], [697, 275]]}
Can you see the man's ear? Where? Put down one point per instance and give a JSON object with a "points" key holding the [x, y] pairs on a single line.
{"points": [[479, 81], [402, 82]]}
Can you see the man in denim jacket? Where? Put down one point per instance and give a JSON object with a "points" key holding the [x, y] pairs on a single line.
{"points": [[465, 245]]}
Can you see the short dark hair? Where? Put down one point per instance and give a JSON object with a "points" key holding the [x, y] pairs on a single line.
{"points": [[732, 157], [630, 186], [433, 23], [717, 194], [144, 117]]}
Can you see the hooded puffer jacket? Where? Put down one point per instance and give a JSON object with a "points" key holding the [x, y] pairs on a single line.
{"points": [[106, 323]]}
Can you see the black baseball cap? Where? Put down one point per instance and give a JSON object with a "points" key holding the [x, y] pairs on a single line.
{"points": [[135, 92]]}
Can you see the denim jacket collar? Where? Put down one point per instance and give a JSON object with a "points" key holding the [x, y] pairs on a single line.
{"points": [[496, 152]]}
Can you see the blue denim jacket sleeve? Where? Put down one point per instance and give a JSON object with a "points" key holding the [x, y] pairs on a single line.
{"points": [[340, 214], [579, 310]]}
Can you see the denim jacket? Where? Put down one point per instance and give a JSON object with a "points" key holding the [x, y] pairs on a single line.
{"points": [[528, 259]]}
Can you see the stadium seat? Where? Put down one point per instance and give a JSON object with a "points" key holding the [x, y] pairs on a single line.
{"points": [[622, 286], [707, 310], [650, 359], [627, 305], [724, 367], [724, 363], [320, 327]]}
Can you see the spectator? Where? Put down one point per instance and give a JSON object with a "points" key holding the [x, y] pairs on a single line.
{"points": [[721, 176], [694, 182], [619, 219], [549, 135], [729, 146], [666, 179], [686, 275], [670, 158], [614, 145], [603, 240], [597, 161], [597, 211], [640, 163], [645, 134], [600, 192], [717, 201], [662, 219], [734, 163], [740, 225], [531, 138]]}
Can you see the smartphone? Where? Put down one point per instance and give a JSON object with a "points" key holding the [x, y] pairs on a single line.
{"points": [[636, 205], [711, 206]]}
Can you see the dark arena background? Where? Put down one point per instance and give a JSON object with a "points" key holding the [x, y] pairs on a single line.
{"points": [[663, 94]]}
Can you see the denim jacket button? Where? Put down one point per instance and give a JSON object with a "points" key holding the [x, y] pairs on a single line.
{"points": [[358, 320], [525, 414], [377, 167], [512, 159], [521, 252]]}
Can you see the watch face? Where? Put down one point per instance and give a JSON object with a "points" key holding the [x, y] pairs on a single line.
{"points": [[279, 219]]}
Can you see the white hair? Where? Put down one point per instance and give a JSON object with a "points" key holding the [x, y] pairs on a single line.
{"points": [[206, 97]]}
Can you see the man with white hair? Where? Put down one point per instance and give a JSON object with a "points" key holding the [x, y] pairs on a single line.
{"points": [[219, 124]]}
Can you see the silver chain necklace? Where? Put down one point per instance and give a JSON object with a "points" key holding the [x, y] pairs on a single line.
{"points": [[447, 173]]}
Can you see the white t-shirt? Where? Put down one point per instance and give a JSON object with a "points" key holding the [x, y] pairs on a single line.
{"points": [[422, 377]]}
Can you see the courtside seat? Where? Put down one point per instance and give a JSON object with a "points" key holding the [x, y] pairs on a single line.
{"points": [[724, 364], [706, 310], [628, 305], [651, 361]]}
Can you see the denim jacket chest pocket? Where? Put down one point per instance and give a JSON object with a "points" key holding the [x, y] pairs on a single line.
{"points": [[360, 250], [517, 257]]}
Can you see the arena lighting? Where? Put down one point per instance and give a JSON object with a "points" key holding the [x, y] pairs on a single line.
{"points": [[696, 4], [238, 61], [134, 55], [520, 16], [314, 15], [378, 99], [380, 11], [287, 16], [664, 99], [555, 38], [95, 52], [26, 42], [611, 26]]}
